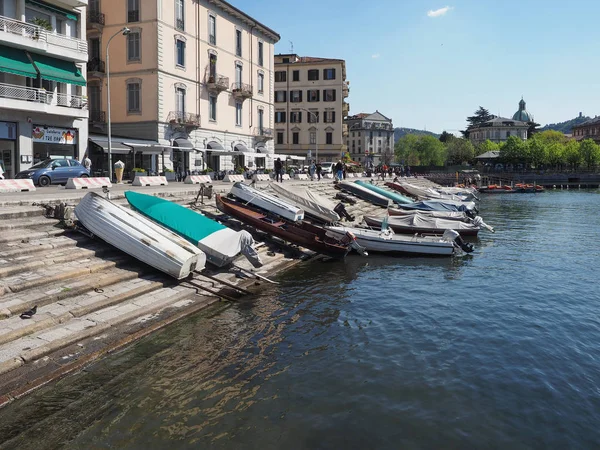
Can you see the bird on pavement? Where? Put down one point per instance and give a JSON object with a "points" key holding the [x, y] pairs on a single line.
{"points": [[29, 314]]}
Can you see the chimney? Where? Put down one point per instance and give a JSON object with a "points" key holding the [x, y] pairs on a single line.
{"points": [[580, 114]]}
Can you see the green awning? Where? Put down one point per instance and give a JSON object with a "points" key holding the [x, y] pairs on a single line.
{"points": [[57, 70], [54, 9], [15, 61]]}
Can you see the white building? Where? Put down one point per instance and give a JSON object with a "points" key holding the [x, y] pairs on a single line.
{"points": [[498, 129], [370, 138], [43, 103]]}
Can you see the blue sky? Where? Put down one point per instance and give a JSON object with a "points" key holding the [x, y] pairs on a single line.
{"points": [[432, 70]]}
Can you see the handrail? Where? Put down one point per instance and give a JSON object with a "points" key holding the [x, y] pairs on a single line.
{"points": [[242, 88], [37, 95], [184, 118]]}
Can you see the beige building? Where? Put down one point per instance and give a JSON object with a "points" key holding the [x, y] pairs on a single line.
{"points": [[371, 138], [43, 103], [310, 107], [192, 78], [499, 129]]}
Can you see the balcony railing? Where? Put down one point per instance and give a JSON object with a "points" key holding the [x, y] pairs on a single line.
{"points": [[34, 32], [95, 17], [180, 24], [97, 116], [218, 83], [37, 95], [96, 65], [212, 39], [133, 16], [264, 132], [242, 90], [183, 118]]}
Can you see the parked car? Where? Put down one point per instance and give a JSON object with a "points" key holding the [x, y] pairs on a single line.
{"points": [[54, 171], [327, 167]]}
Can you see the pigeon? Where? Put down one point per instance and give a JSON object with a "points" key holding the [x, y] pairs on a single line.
{"points": [[29, 314]]}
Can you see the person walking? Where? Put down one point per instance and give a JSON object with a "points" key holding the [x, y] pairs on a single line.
{"points": [[278, 170], [319, 171], [87, 163], [311, 170], [339, 171]]}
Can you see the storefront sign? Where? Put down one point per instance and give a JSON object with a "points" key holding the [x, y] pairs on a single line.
{"points": [[8, 130], [53, 135]]}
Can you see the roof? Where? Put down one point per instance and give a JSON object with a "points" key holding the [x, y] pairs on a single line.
{"points": [[371, 116], [587, 123], [307, 59], [228, 7], [501, 122], [489, 155]]}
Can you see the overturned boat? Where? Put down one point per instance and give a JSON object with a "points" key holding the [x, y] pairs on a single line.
{"points": [[139, 237], [364, 193], [221, 244], [267, 202], [393, 196], [314, 205]]}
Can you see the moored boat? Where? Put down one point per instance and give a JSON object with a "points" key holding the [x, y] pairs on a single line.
{"points": [[364, 193], [267, 202], [313, 204], [496, 189], [422, 192], [139, 237], [393, 196], [448, 215], [417, 224], [528, 188], [441, 205]]}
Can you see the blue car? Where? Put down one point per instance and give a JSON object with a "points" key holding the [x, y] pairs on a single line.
{"points": [[54, 171]]}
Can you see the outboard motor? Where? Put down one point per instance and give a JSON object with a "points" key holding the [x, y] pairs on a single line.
{"points": [[478, 221], [453, 236], [340, 209]]}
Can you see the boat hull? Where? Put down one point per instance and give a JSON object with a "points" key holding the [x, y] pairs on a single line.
{"points": [[364, 193], [393, 196], [267, 202], [436, 226], [450, 215]]}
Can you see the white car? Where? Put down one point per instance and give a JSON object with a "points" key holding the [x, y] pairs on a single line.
{"points": [[327, 167]]}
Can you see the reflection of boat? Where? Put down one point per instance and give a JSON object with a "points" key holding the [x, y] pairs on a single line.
{"points": [[221, 244], [313, 204], [267, 202], [418, 224], [364, 193], [393, 196], [138, 236], [496, 189], [301, 233]]}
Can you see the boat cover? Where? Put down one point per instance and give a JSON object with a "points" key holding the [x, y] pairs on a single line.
{"points": [[393, 196], [448, 215], [312, 203], [267, 202], [423, 192], [420, 222], [433, 205]]}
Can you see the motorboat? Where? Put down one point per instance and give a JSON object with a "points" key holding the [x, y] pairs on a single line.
{"points": [[220, 244], [314, 205], [448, 215], [393, 196], [138, 236], [423, 192], [418, 224], [267, 202], [364, 193], [496, 189], [441, 205]]}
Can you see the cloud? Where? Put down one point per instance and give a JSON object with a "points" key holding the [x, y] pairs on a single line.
{"points": [[438, 12], [375, 56]]}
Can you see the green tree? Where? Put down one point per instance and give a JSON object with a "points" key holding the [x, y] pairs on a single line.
{"points": [[486, 146], [571, 154], [446, 137], [538, 151], [514, 150], [556, 155], [420, 150], [589, 152], [480, 116], [460, 151], [405, 147], [551, 136]]}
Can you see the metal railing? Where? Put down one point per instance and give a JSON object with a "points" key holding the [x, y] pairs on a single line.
{"points": [[183, 118], [242, 89], [133, 16], [95, 17], [37, 95], [96, 65], [218, 82], [212, 39], [28, 30], [264, 132], [97, 116], [180, 24]]}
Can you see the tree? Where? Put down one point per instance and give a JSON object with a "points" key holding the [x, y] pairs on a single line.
{"points": [[589, 152], [514, 150], [460, 151], [420, 151], [556, 154], [538, 151], [551, 136], [486, 146], [571, 154], [532, 129], [480, 116], [405, 147], [446, 137]]}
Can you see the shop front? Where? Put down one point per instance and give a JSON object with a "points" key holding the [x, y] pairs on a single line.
{"points": [[8, 148], [53, 143]]}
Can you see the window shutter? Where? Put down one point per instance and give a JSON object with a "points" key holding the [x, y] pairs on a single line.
{"points": [[284, 96], [324, 74], [300, 93], [300, 117], [333, 116], [334, 91], [324, 94], [333, 70], [318, 95]]}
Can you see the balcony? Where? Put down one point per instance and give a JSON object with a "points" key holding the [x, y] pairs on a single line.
{"points": [[95, 20], [345, 109], [180, 24], [242, 90], [345, 91], [96, 68], [28, 36], [266, 133], [74, 3], [345, 130], [217, 83], [41, 101], [184, 119], [97, 116]]}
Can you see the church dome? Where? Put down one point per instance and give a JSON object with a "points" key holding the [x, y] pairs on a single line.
{"points": [[522, 113]]}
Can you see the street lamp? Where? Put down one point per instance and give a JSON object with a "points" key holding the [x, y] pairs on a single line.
{"points": [[124, 31], [316, 134]]}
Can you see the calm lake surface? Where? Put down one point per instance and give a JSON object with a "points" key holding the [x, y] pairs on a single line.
{"points": [[499, 349]]}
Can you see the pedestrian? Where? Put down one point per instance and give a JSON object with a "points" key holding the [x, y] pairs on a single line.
{"points": [[1, 171], [384, 169], [345, 169], [319, 170], [311, 170], [87, 163], [339, 171], [278, 170]]}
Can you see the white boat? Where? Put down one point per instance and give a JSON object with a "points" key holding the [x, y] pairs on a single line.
{"points": [[139, 237], [429, 193], [313, 204], [388, 242], [449, 215], [267, 202]]}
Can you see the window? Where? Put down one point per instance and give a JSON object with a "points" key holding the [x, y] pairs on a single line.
{"points": [[212, 108], [133, 96], [261, 83], [359, 134], [133, 46], [180, 100], [213, 68], [329, 117], [238, 76], [280, 76], [329, 74], [313, 75], [313, 95], [180, 15], [133, 10], [280, 96], [280, 137], [261, 119], [280, 117], [313, 137], [238, 42], [296, 117], [295, 138], [313, 117], [286, 60], [295, 96], [260, 54], [238, 114], [212, 30], [180, 52], [296, 75], [329, 138], [329, 95]]}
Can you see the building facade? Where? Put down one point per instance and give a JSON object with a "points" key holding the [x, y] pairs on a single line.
{"points": [[194, 76], [370, 138], [498, 129], [43, 103], [587, 130], [310, 107]]}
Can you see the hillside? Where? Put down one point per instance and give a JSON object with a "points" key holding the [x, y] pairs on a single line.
{"points": [[565, 127], [400, 132]]}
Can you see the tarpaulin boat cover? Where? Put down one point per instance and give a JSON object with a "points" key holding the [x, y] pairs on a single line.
{"points": [[420, 222], [393, 196], [431, 205], [309, 201], [448, 215], [428, 192]]}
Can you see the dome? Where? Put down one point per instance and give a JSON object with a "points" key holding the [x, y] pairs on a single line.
{"points": [[522, 113]]}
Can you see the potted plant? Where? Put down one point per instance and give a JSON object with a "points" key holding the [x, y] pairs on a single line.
{"points": [[169, 174], [41, 24], [138, 172]]}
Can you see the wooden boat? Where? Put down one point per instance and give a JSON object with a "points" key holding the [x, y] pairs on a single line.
{"points": [[220, 244], [267, 202], [416, 224], [139, 237], [364, 193], [314, 205], [301, 233], [393, 196], [496, 189], [522, 188]]}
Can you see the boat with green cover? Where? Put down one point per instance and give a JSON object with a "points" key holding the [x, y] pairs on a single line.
{"points": [[393, 196], [221, 244]]}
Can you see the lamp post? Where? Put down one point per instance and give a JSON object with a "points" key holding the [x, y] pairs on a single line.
{"points": [[316, 134], [124, 31]]}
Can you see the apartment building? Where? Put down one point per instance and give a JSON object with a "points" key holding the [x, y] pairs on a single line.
{"points": [[310, 106], [370, 138], [43, 103], [191, 84]]}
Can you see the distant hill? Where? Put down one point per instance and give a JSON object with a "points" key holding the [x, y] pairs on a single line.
{"points": [[400, 132], [565, 127]]}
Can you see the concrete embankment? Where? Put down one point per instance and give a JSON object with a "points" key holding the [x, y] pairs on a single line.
{"points": [[93, 299]]}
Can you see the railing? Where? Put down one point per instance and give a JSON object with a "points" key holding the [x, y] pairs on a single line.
{"points": [[242, 90], [218, 83], [212, 39], [96, 65], [97, 116], [264, 132], [37, 95], [95, 17], [180, 24], [39, 34], [133, 16], [183, 118]]}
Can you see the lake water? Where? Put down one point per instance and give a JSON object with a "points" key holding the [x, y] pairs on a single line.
{"points": [[498, 349]]}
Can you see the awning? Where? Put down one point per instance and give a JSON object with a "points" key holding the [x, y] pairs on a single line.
{"points": [[16, 62], [116, 146], [143, 146], [296, 158], [254, 155], [57, 70], [183, 144], [212, 145], [241, 148], [54, 9]]}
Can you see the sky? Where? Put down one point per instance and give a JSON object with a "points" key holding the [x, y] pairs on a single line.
{"points": [[430, 64]]}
